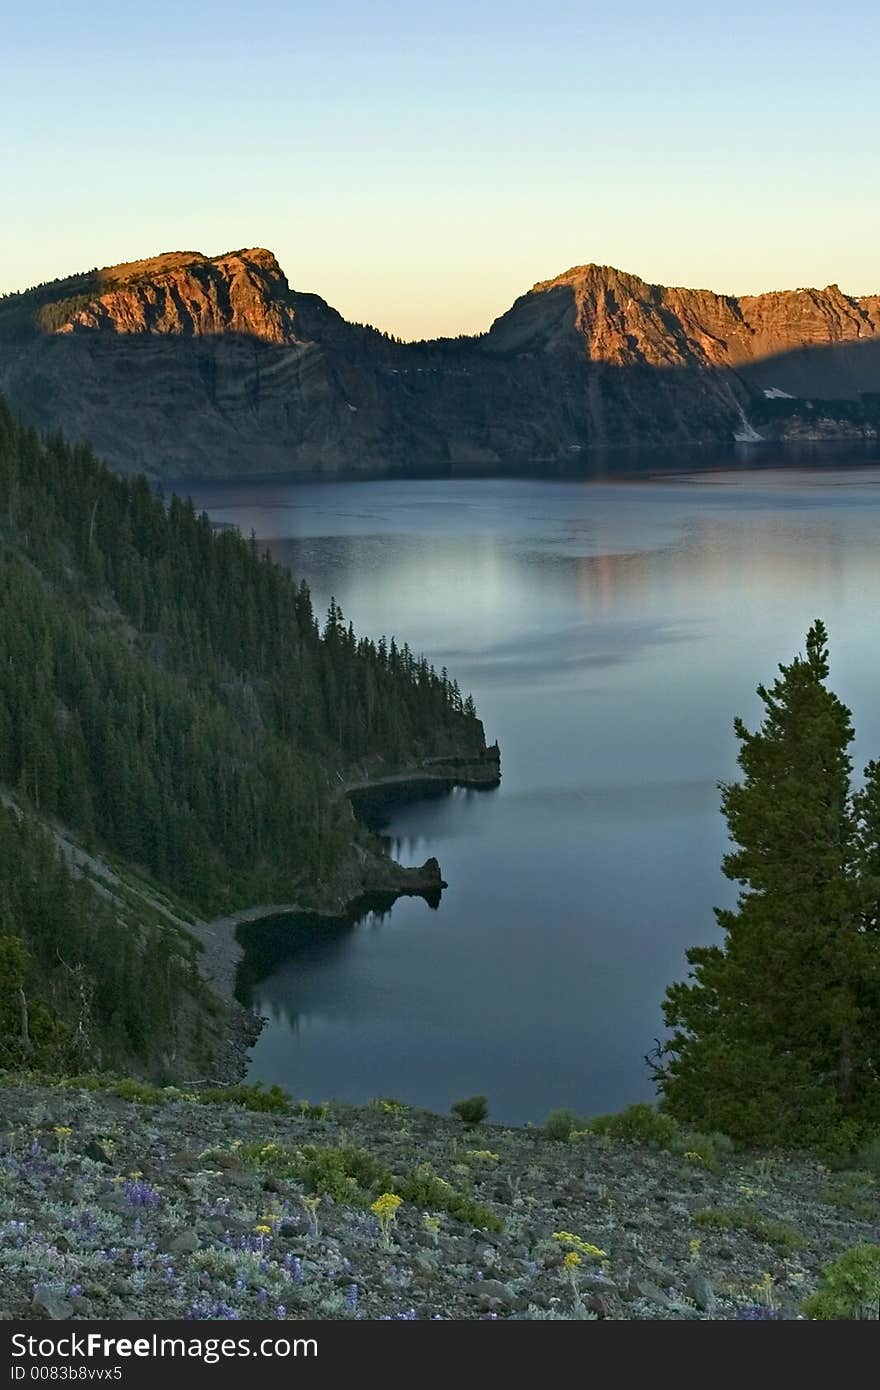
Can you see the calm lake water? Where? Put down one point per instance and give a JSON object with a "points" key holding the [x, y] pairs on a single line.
{"points": [[609, 631]]}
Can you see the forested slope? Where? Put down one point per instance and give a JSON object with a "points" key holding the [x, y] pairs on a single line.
{"points": [[167, 694]]}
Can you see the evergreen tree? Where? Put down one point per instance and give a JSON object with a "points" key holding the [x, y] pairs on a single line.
{"points": [[774, 1040], [167, 693]]}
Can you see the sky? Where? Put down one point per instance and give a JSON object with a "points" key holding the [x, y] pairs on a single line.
{"points": [[420, 166]]}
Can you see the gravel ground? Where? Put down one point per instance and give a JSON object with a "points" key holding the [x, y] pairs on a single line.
{"points": [[114, 1209]]}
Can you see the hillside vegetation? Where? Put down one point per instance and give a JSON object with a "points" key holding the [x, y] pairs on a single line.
{"points": [[167, 694], [169, 1204]]}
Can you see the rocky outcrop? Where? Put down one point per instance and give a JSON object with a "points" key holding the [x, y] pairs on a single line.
{"points": [[185, 365], [186, 295]]}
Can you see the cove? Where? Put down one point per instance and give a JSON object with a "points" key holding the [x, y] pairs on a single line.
{"points": [[609, 629]]}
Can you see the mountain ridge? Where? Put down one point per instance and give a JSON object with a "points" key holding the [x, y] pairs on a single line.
{"points": [[189, 364]]}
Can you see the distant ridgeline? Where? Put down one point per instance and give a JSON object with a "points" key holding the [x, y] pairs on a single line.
{"points": [[186, 364], [166, 694]]}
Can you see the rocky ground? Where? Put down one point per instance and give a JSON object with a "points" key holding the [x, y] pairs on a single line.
{"points": [[112, 1208]]}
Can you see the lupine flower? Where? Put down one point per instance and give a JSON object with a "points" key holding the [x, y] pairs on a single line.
{"points": [[214, 1312], [140, 1194]]}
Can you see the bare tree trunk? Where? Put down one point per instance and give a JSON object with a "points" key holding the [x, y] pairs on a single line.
{"points": [[844, 1084], [92, 526], [25, 1028]]}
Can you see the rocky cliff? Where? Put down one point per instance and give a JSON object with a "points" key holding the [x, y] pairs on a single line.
{"points": [[188, 365]]}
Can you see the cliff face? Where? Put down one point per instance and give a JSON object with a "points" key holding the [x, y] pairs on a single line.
{"points": [[188, 365], [186, 295]]}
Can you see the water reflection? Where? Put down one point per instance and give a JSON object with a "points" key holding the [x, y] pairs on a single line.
{"points": [[609, 632]]}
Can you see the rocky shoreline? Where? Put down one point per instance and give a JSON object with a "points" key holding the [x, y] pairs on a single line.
{"points": [[482, 770], [368, 873]]}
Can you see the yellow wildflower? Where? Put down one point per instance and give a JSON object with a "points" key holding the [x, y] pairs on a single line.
{"points": [[385, 1209], [386, 1205], [583, 1247]]}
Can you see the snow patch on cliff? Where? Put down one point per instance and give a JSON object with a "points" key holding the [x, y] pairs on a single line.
{"points": [[748, 434]]}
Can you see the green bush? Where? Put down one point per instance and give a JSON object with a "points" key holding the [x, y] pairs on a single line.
{"points": [[849, 1289], [425, 1190], [344, 1172], [703, 1150], [638, 1124], [855, 1192], [353, 1176], [140, 1091], [560, 1124], [749, 1218], [273, 1101], [472, 1110], [868, 1157], [276, 1159], [325, 1171], [387, 1105]]}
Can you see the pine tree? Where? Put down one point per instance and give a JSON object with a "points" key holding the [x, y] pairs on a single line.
{"points": [[771, 1035]]}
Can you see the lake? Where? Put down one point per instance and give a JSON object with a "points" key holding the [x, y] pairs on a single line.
{"points": [[609, 630]]}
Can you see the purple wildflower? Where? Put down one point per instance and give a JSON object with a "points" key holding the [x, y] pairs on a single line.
{"points": [[140, 1194]]}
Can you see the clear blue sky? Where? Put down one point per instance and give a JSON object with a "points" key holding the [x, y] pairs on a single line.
{"points": [[419, 166]]}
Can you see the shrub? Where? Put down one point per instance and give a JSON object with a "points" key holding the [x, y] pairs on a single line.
{"points": [[274, 1101], [347, 1174], [748, 1218], [87, 1082], [274, 1158], [855, 1192], [140, 1091], [426, 1190], [472, 1110], [560, 1124], [324, 1171], [638, 1124], [849, 1289], [868, 1157], [703, 1150]]}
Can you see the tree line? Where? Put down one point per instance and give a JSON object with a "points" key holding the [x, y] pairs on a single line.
{"points": [[168, 694]]}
